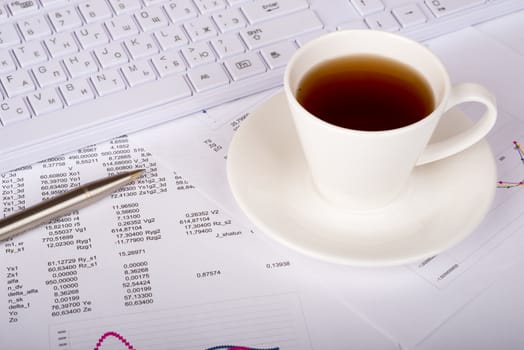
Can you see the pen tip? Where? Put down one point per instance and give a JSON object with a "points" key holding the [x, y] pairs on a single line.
{"points": [[136, 173]]}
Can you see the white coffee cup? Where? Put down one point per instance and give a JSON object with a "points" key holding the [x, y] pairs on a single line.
{"points": [[364, 170]]}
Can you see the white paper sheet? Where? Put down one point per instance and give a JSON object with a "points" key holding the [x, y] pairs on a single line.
{"points": [[493, 320], [155, 266], [408, 302]]}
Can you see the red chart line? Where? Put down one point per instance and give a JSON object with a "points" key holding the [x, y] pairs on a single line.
{"points": [[511, 184], [115, 335], [130, 347]]}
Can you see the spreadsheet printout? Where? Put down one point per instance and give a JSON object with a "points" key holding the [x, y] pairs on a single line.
{"points": [[156, 265]]}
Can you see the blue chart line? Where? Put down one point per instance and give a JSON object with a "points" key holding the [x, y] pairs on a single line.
{"points": [[510, 184]]}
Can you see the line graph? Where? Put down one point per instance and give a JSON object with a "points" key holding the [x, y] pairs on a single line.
{"points": [[117, 336], [511, 184], [131, 347], [269, 322]]}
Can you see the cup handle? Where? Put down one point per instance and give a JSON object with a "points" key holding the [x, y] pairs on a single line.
{"points": [[466, 92]]}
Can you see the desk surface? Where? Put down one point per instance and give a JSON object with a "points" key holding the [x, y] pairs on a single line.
{"points": [[162, 263]]}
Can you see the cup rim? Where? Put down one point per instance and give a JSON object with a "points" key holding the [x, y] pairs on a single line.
{"points": [[437, 110]]}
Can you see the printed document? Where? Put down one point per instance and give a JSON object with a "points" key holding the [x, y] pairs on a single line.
{"points": [[156, 265]]}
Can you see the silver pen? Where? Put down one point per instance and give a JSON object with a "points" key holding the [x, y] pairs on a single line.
{"points": [[64, 203]]}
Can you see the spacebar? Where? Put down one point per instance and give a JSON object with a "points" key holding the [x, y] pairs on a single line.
{"points": [[139, 98], [97, 111]]}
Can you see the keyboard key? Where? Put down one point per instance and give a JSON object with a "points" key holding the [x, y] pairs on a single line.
{"points": [[269, 32], [8, 35], [47, 3], [45, 101], [121, 27], [198, 54], [141, 46], [76, 91], [245, 66], [151, 18], [65, 19], [13, 110], [111, 55], [228, 45], [208, 77], [358, 24], [229, 19], [25, 7], [171, 37], [206, 6], [61, 44], [144, 96], [383, 21], [261, 10], [94, 10], [152, 2], [30, 53], [409, 15], [49, 73], [139, 72], [17, 83], [139, 98], [180, 10], [278, 55], [79, 64], [34, 27], [108, 82], [92, 35], [367, 7], [125, 6], [305, 38], [6, 62], [441, 8], [168, 63], [3, 13], [200, 29]]}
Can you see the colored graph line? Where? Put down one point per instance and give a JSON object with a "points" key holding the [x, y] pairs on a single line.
{"points": [[117, 336], [235, 347], [130, 347], [511, 184]]}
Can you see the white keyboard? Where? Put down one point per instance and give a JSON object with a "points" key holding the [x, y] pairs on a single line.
{"points": [[74, 73]]}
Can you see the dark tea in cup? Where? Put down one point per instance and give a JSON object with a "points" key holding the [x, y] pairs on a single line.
{"points": [[366, 92]]}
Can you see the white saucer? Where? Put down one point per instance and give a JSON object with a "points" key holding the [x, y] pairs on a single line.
{"points": [[444, 202]]}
